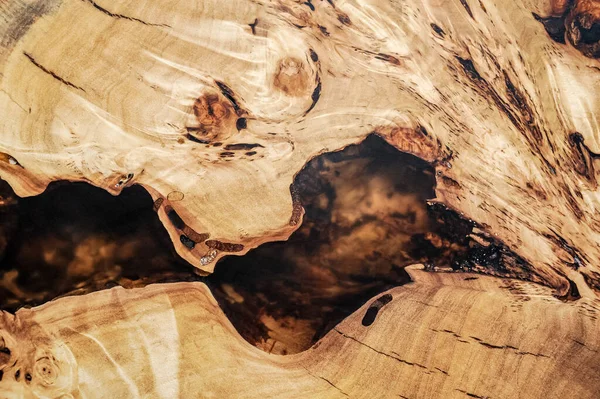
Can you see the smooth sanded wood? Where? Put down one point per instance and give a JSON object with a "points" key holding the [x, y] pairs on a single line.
{"points": [[442, 336], [214, 106]]}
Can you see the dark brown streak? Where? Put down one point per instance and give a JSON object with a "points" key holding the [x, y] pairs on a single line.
{"points": [[466, 6], [520, 102], [524, 120], [315, 95], [585, 166], [561, 242], [253, 26], [241, 147], [195, 139], [438, 30], [309, 5], [388, 58], [228, 93], [224, 246], [54, 75], [121, 16]]}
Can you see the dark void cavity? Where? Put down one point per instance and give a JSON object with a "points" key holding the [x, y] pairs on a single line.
{"points": [[363, 207], [75, 239], [590, 36], [554, 26], [367, 217]]}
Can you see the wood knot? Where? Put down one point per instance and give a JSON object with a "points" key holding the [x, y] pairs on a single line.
{"points": [[291, 77], [215, 114], [45, 371]]}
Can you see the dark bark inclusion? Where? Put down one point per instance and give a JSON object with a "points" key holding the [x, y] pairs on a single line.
{"points": [[367, 217]]}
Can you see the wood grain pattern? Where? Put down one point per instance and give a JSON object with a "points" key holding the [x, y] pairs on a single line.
{"points": [[154, 96], [443, 336]]}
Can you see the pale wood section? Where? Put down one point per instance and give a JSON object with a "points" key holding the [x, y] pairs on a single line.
{"points": [[443, 336], [111, 92]]}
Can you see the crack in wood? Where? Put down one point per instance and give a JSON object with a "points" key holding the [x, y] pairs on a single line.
{"points": [[51, 73], [326, 380], [121, 16], [396, 357]]}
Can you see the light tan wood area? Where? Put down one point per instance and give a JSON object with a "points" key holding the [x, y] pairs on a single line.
{"points": [[443, 336]]}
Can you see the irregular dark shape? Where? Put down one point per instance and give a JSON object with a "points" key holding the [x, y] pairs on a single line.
{"points": [[253, 26], [371, 313], [194, 236], [313, 55], [344, 18], [195, 139], [98, 240], [583, 157], [242, 146], [54, 75], [583, 29], [241, 123], [157, 204], [323, 30], [309, 5], [469, 68], [438, 30], [227, 154], [573, 293], [467, 7], [224, 246], [486, 255], [185, 240], [578, 258], [555, 27], [316, 94], [388, 58], [175, 219], [228, 93], [517, 98]]}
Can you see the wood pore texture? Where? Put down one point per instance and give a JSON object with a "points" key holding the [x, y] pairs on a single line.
{"points": [[214, 106], [446, 335]]}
